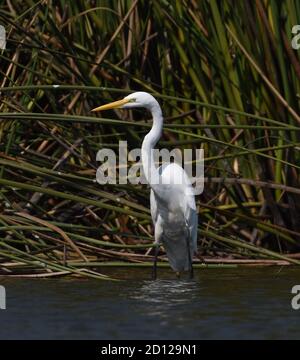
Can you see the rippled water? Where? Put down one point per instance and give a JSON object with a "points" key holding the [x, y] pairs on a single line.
{"points": [[243, 303]]}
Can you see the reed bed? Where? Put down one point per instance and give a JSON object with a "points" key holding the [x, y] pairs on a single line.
{"points": [[228, 81]]}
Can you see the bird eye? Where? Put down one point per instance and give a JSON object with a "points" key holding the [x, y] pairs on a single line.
{"points": [[132, 100]]}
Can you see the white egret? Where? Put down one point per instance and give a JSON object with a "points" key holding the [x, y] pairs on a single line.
{"points": [[172, 201]]}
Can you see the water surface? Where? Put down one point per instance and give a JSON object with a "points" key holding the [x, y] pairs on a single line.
{"points": [[242, 303]]}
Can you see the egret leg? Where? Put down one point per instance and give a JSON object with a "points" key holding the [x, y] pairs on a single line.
{"points": [[154, 269], [190, 262], [191, 269]]}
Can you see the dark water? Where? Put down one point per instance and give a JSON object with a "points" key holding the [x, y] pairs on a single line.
{"points": [[217, 304]]}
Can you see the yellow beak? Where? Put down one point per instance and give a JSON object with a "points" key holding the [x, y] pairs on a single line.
{"points": [[112, 105]]}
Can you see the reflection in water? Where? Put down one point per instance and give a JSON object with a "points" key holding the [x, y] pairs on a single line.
{"points": [[165, 301], [167, 292], [164, 298]]}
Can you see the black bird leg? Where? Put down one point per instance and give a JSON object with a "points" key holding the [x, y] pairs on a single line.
{"points": [[154, 269], [191, 269], [190, 262]]}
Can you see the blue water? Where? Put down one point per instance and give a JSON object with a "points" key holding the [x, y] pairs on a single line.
{"points": [[247, 303]]}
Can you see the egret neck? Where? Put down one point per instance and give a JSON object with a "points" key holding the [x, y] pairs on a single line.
{"points": [[150, 140]]}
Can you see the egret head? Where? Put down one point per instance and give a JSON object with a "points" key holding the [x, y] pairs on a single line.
{"points": [[134, 100]]}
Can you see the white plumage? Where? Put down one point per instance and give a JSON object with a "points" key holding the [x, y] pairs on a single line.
{"points": [[172, 200]]}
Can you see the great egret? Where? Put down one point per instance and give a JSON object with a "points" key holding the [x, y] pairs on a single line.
{"points": [[172, 201]]}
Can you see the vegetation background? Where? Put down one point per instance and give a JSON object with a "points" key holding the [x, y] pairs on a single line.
{"points": [[227, 78]]}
